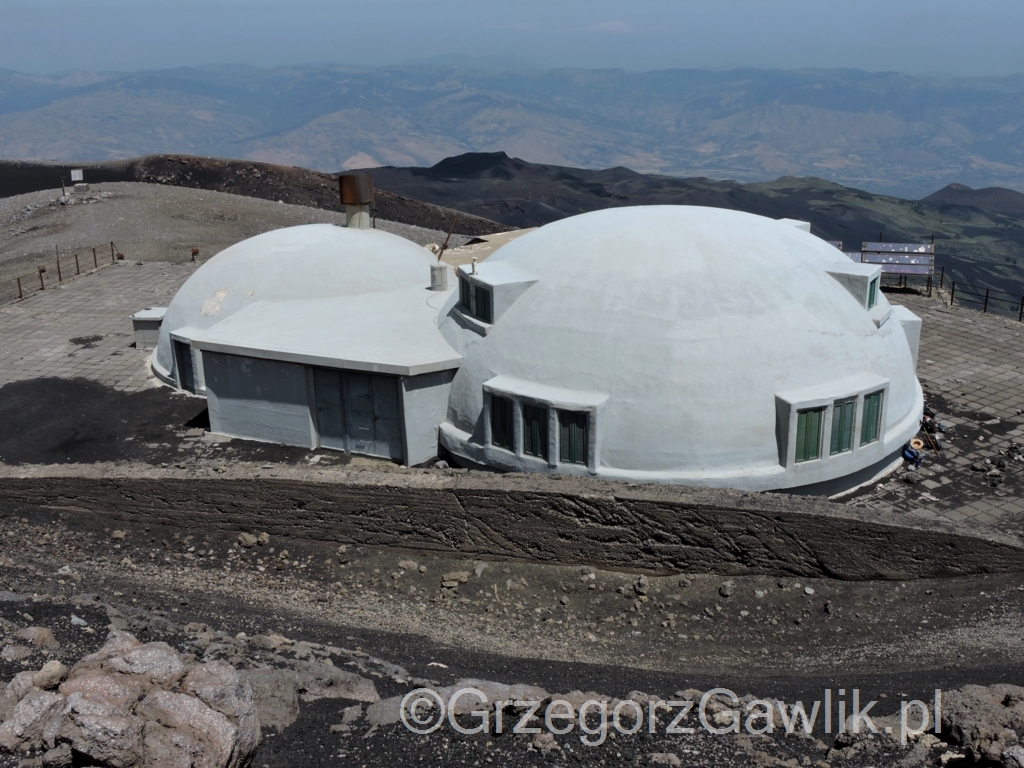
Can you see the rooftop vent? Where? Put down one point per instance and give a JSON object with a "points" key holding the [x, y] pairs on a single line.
{"points": [[356, 195]]}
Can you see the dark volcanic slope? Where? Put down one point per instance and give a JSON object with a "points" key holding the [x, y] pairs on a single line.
{"points": [[297, 186], [1004, 202], [977, 245]]}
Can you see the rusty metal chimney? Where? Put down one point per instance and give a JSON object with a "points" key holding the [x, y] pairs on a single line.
{"points": [[356, 191]]}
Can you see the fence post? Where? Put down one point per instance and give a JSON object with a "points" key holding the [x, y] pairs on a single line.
{"points": [[95, 263], [112, 251], [942, 276], [42, 285], [59, 278], [952, 292], [1020, 317], [985, 308], [78, 269], [21, 295], [929, 285]]}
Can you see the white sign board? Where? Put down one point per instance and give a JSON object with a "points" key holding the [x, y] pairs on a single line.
{"points": [[76, 175]]}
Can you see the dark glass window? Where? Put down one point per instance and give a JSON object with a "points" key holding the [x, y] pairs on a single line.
{"points": [[808, 434], [482, 310], [842, 426], [572, 436], [502, 430], [873, 293], [465, 296], [535, 431], [872, 418]]}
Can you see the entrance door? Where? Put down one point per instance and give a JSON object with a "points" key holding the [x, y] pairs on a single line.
{"points": [[330, 411], [358, 412]]}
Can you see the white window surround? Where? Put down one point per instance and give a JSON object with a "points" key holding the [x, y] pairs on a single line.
{"points": [[856, 279], [522, 392], [788, 404], [505, 282]]}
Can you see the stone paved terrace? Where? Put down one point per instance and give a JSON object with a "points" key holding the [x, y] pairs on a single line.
{"points": [[82, 327], [971, 367]]}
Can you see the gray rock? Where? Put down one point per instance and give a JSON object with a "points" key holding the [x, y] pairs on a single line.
{"points": [[15, 652], [322, 681], [58, 757], [34, 720], [41, 637], [275, 695], [727, 589], [247, 540], [1013, 757], [182, 730], [11, 597], [664, 758], [50, 676]]}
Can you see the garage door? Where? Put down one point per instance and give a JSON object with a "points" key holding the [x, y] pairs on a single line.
{"points": [[358, 412]]}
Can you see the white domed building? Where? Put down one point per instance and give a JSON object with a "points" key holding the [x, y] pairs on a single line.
{"points": [[667, 344]]}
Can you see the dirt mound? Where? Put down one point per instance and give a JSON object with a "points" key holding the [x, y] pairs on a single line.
{"points": [[296, 186]]}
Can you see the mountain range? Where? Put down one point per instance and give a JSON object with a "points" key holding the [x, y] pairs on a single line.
{"points": [[882, 132]]}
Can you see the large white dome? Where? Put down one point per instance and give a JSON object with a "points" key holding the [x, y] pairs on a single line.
{"points": [[306, 262], [687, 332]]}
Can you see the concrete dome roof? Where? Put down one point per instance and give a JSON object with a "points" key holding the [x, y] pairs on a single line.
{"points": [[307, 262], [686, 323]]}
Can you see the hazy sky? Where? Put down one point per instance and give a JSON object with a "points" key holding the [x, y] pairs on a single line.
{"points": [[963, 37]]}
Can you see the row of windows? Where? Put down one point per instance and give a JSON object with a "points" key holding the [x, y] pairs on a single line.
{"points": [[573, 429], [810, 422], [475, 300]]}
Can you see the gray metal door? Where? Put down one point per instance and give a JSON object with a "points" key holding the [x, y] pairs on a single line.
{"points": [[330, 411], [387, 429], [358, 412]]}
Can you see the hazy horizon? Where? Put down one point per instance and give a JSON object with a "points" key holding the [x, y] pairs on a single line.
{"points": [[942, 38]]}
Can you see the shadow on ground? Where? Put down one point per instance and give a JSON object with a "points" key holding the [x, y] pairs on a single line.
{"points": [[65, 421]]}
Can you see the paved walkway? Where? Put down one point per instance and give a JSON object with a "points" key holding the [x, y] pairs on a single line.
{"points": [[971, 367], [83, 327]]}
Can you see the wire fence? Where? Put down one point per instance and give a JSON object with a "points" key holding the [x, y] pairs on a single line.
{"points": [[58, 268]]}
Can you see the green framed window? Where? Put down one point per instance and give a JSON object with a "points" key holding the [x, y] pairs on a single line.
{"points": [[872, 420], [502, 423], [573, 427], [482, 300], [808, 433], [842, 426], [535, 431], [872, 293]]}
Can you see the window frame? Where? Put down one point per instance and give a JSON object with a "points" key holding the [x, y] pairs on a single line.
{"points": [[819, 430], [873, 292], [502, 410], [568, 441], [866, 436], [535, 430], [838, 424]]}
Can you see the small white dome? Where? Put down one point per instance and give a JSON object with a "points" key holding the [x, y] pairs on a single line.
{"points": [[306, 262]]}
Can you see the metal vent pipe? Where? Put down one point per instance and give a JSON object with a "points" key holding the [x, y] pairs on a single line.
{"points": [[356, 191]]}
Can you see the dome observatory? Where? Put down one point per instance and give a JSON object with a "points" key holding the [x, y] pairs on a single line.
{"points": [[671, 344]]}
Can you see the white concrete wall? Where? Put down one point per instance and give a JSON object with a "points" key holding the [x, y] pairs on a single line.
{"points": [[258, 399], [424, 401]]}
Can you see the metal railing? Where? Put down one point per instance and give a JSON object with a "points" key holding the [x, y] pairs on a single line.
{"points": [[989, 300], [64, 267]]}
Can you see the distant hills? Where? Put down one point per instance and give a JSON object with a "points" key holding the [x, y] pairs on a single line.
{"points": [[883, 132], [1004, 202], [979, 234]]}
